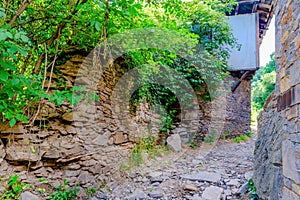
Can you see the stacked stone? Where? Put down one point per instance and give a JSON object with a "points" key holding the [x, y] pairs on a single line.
{"points": [[85, 144], [288, 108], [288, 71]]}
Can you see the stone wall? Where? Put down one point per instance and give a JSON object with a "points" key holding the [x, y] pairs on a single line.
{"points": [[268, 151], [238, 109], [233, 108], [84, 144], [286, 111]]}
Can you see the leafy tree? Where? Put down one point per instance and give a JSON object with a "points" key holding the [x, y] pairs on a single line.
{"points": [[263, 84], [35, 34]]}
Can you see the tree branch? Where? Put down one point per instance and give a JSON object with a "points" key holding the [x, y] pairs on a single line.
{"points": [[60, 27], [19, 12]]}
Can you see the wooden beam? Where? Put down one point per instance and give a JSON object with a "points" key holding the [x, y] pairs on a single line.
{"points": [[254, 9], [263, 5], [247, 1], [262, 11], [265, 19], [236, 84]]}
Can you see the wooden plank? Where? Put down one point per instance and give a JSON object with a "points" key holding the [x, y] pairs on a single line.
{"points": [[262, 11], [254, 9], [246, 1], [263, 5]]}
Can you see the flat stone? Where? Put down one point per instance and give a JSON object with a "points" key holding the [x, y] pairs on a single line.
{"points": [[51, 154], [17, 129], [29, 196], [190, 187], [212, 193], [119, 138], [248, 175], [196, 197], [289, 161], [21, 154], [132, 175], [196, 162], [139, 194], [227, 192], [288, 194], [101, 140], [72, 173], [154, 174], [156, 179], [203, 176], [174, 142], [71, 129], [233, 182], [100, 195], [155, 194], [85, 177], [74, 116]]}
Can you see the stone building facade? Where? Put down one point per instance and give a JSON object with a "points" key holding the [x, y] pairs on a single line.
{"points": [[277, 165]]}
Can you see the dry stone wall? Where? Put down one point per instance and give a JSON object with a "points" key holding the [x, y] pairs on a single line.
{"points": [[86, 145], [233, 110], [238, 109], [268, 151], [278, 145]]}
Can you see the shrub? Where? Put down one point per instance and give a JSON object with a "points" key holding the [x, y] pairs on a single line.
{"points": [[63, 192], [14, 188]]}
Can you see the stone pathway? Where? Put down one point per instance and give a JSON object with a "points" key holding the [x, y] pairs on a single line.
{"points": [[221, 174]]}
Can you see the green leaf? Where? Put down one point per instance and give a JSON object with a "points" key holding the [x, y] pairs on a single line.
{"points": [[3, 36], [19, 117], [2, 14], [4, 75], [97, 26], [15, 82], [9, 35], [24, 38], [7, 64], [21, 51], [12, 122]]}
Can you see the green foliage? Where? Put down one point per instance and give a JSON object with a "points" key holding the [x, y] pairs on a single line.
{"points": [[250, 134], [90, 191], [63, 192], [45, 30], [263, 84], [241, 138], [14, 188], [252, 190], [193, 145], [226, 134], [43, 180], [20, 91], [15, 89], [146, 146], [211, 137], [244, 138]]}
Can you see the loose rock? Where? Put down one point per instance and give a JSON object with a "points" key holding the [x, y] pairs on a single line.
{"points": [[212, 193]]}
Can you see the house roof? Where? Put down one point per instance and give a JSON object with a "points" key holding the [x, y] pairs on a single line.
{"points": [[264, 8]]}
